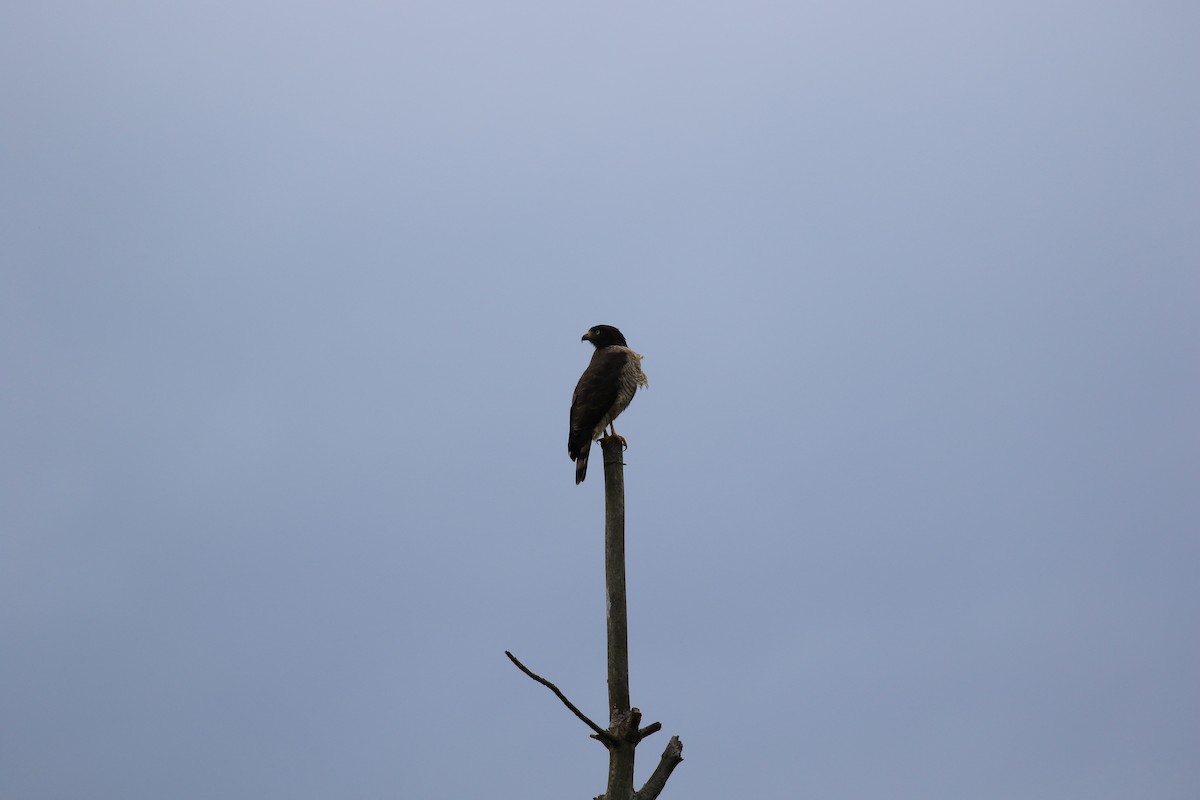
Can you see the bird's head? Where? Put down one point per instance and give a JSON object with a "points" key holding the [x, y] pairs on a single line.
{"points": [[604, 336]]}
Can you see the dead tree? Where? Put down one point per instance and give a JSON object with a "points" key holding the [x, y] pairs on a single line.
{"points": [[624, 732]]}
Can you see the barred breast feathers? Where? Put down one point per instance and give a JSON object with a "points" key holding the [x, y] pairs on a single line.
{"points": [[634, 368], [630, 379]]}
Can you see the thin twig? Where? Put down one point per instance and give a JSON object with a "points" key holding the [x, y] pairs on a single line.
{"points": [[601, 734]]}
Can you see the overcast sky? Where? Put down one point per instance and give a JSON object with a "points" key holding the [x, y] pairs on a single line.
{"points": [[291, 297]]}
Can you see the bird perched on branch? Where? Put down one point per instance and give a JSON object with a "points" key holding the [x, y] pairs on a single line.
{"points": [[603, 392]]}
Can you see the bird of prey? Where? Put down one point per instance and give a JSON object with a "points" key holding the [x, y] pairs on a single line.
{"points": [[603, 392]]}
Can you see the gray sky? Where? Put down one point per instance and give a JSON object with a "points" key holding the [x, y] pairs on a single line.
{"points": [[290, 305]]}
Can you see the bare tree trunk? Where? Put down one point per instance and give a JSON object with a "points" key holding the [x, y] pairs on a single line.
{"points": [[621, 751], [623, 734], [614, 578]]}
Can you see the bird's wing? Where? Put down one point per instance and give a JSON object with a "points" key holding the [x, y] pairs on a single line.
{"points": [[594, 395]]}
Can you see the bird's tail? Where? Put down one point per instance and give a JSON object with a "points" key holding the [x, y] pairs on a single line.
{"points": [[581, 465]]}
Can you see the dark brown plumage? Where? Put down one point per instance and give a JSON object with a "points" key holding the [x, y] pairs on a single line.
{"points": [[603, 392]]}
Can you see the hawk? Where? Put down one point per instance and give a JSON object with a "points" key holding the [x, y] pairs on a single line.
{"points": [[603, 392]]}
